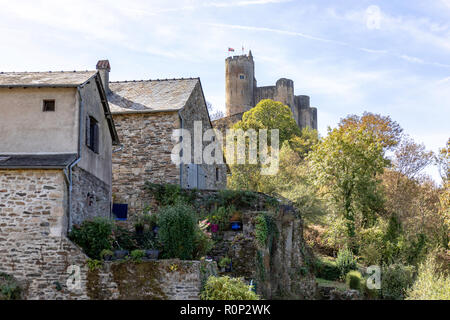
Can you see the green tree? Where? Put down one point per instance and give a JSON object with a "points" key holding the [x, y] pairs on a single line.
{"points": [[269, 114], [345, 166]]}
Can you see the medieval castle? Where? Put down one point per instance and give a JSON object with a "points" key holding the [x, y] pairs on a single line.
{"points": [[242, 92]]}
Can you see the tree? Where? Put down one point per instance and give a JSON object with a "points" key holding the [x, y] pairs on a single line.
{"points": [[411, 158], [345, 166], [269, 114], [386, 130]]}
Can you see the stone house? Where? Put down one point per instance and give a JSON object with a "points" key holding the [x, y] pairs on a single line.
{"points": [[146, 113], [57, 135]]}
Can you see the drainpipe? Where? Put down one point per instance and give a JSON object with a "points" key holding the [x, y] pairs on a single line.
{"points": [[181, 163], [78, 159]]}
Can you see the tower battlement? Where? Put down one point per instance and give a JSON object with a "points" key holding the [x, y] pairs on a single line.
{"points": [[242, 92]]}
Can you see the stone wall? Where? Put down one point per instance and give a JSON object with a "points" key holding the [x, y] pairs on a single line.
{"points": [[149, 280], [195, 110], [33, 246], [145, 156], [282, 269], [90, 197]]}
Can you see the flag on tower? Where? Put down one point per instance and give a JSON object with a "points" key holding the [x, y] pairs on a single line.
{"points": [[230, 50]]}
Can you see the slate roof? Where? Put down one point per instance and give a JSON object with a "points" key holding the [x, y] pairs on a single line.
{"points": [[150, 95], [45, 79], [40, 161]]}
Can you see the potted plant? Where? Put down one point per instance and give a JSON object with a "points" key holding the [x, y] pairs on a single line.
{"points": [[225, 264], [120, 254], [106, 255], [236, 221], [139, 227]]}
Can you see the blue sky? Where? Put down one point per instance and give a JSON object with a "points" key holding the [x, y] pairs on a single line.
{"points": [[389, 57]]}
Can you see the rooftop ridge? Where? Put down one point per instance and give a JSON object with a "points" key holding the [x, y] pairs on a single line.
{"points": [[150, 80], [50, 71]]}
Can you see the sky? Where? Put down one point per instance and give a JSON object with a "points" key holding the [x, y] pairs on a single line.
{"points": [[389, 57]]}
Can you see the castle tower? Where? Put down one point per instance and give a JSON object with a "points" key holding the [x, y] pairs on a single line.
{"points": [[284, 93], [239, 84]]}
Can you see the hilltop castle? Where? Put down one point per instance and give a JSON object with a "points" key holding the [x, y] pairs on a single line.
{"points": [[242, 92]]}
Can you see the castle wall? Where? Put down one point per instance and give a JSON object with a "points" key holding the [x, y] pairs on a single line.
{"points": [[239, 93]]}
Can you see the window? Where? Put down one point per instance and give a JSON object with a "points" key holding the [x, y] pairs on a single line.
{"points": [[92, 134], [241, 76], [49, 105], [217, 174]]}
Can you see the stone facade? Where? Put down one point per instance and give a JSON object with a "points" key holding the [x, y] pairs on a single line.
{"points": [[149, 280], [147, 148], [145, 157], [33, 245], [90, 197], [242, 92]]}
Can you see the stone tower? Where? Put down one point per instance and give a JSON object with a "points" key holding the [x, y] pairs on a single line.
{"points": [[242, 93], [239, 83]]}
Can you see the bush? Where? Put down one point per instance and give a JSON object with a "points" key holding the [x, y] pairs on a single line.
{"points": [[124, 239], [431, 284], [93, 236], [354, 280], [345, 261], [395, 280], [203, 244], [327, 269], [170, 194], [221, 216], [178, 230], [9, 288], [137, 255], [226, 288]]}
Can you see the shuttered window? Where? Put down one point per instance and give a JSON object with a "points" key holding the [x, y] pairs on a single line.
{"points": [[92, 134]]}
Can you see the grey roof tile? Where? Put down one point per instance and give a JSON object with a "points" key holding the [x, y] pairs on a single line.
{"points": [[45, 79], [36, 160], [150, 95]]}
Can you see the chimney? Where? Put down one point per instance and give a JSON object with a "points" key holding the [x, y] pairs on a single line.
{"points": [[103, 69]]}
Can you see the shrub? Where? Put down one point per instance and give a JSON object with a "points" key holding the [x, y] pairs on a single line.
{"points": [[178, 231], [124, 239], [9, 288], [354, 280], [221, 216], [137, 255], [203, 244], [431, 284], [169, 194], [327, 269], [395, 280], [345, 261], [224, 262], [227, 288], [105, 253], [93, 236]]}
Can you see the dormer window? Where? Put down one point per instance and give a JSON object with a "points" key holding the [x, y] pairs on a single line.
{"points": [[48, 106], [92, 134]]}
